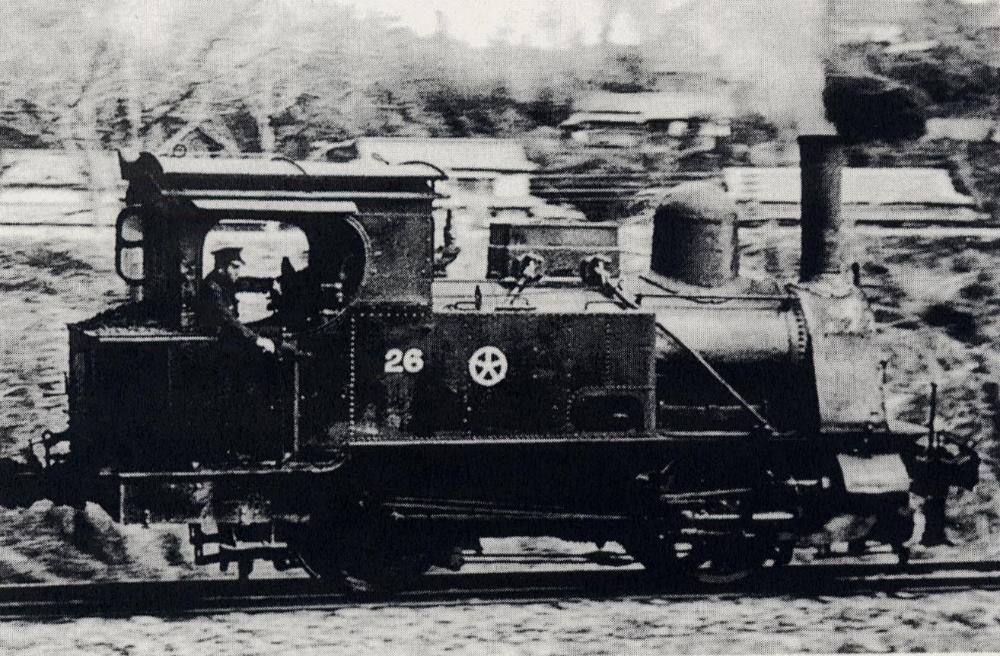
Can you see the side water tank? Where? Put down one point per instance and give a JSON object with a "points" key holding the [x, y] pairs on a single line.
{"points": [[695, 236]]}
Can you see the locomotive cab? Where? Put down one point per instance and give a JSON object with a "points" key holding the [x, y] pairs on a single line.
{"points": [[368, 229], [304, 260], [148, 379]]}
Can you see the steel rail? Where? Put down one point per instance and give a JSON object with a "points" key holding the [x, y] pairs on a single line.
{"points": [[201, 597]]}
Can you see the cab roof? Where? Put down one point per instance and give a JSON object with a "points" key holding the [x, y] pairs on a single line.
{"points": [[165, 168], [278, 179]]}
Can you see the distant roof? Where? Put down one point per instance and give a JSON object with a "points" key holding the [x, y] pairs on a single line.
{"points": [[866, 10], [961, 129], [885, 33], [989, 5], [30, 167], [49, 168], [872, 186], [618, 118], [660, 105], [449, 153], [912, 46]]}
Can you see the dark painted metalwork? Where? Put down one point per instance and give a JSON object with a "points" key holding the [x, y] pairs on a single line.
{"points": [[562, 245], [403, 416], [694, 236], [824, 235]]}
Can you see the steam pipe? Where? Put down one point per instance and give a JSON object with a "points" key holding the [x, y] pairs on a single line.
{"points": [[824, 245]]}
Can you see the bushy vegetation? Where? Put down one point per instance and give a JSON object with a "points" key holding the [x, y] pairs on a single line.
{"points": [[278, 78]]}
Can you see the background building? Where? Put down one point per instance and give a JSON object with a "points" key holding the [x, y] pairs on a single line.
{"points": [[673, 118]]}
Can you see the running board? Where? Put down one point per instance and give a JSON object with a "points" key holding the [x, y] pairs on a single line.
{"points": [[772, 517], [466, 512]]}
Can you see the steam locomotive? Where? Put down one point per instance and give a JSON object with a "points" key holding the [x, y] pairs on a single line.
{"points": [[707, 423]]}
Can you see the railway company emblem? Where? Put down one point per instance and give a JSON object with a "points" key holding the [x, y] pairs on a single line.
{"points": [[488, 366]]}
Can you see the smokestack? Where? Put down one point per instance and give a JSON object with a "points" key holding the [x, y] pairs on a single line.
{"points": [[824, 238]]}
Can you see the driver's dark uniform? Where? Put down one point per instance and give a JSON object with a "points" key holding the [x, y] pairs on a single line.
{"points": [[218, 310], [241, 374]]}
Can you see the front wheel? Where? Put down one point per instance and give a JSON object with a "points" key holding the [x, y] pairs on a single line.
{"points": [[657, 554], [368, 553], [724, 562], [690, 530]]}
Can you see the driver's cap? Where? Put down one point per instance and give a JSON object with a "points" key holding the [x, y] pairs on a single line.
{"points": [[225, 256]]}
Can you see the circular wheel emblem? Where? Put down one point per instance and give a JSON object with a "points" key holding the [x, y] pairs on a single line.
{"points": [[488, 366]]}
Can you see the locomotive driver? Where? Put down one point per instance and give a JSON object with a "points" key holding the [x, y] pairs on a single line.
{"points": [[240, 382], [217, 301]]}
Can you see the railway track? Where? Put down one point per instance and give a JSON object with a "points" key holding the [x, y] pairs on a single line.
{"points": [[196, 597]]}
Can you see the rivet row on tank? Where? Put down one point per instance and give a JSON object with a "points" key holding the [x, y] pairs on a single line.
{"points": [[353, 376]]}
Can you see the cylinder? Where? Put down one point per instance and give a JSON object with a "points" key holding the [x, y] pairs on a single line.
{"points": [[824, 238], [695, 236]]}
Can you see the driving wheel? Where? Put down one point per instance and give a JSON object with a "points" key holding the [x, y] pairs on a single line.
{"points": [[367, 553]]}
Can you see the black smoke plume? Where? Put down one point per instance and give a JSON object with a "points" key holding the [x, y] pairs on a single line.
{"points": [[869, 108]]}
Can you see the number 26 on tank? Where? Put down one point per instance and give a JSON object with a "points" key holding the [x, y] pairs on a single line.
{"points": [[397, 361]]}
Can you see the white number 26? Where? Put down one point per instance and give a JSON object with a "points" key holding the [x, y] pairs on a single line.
{"points": [[396, 361]]}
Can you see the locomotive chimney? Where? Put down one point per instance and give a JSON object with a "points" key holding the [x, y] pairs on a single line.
{"points": [[824, 233]]}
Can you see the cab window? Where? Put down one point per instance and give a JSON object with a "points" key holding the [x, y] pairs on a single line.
{"points": [[265, 245]]}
